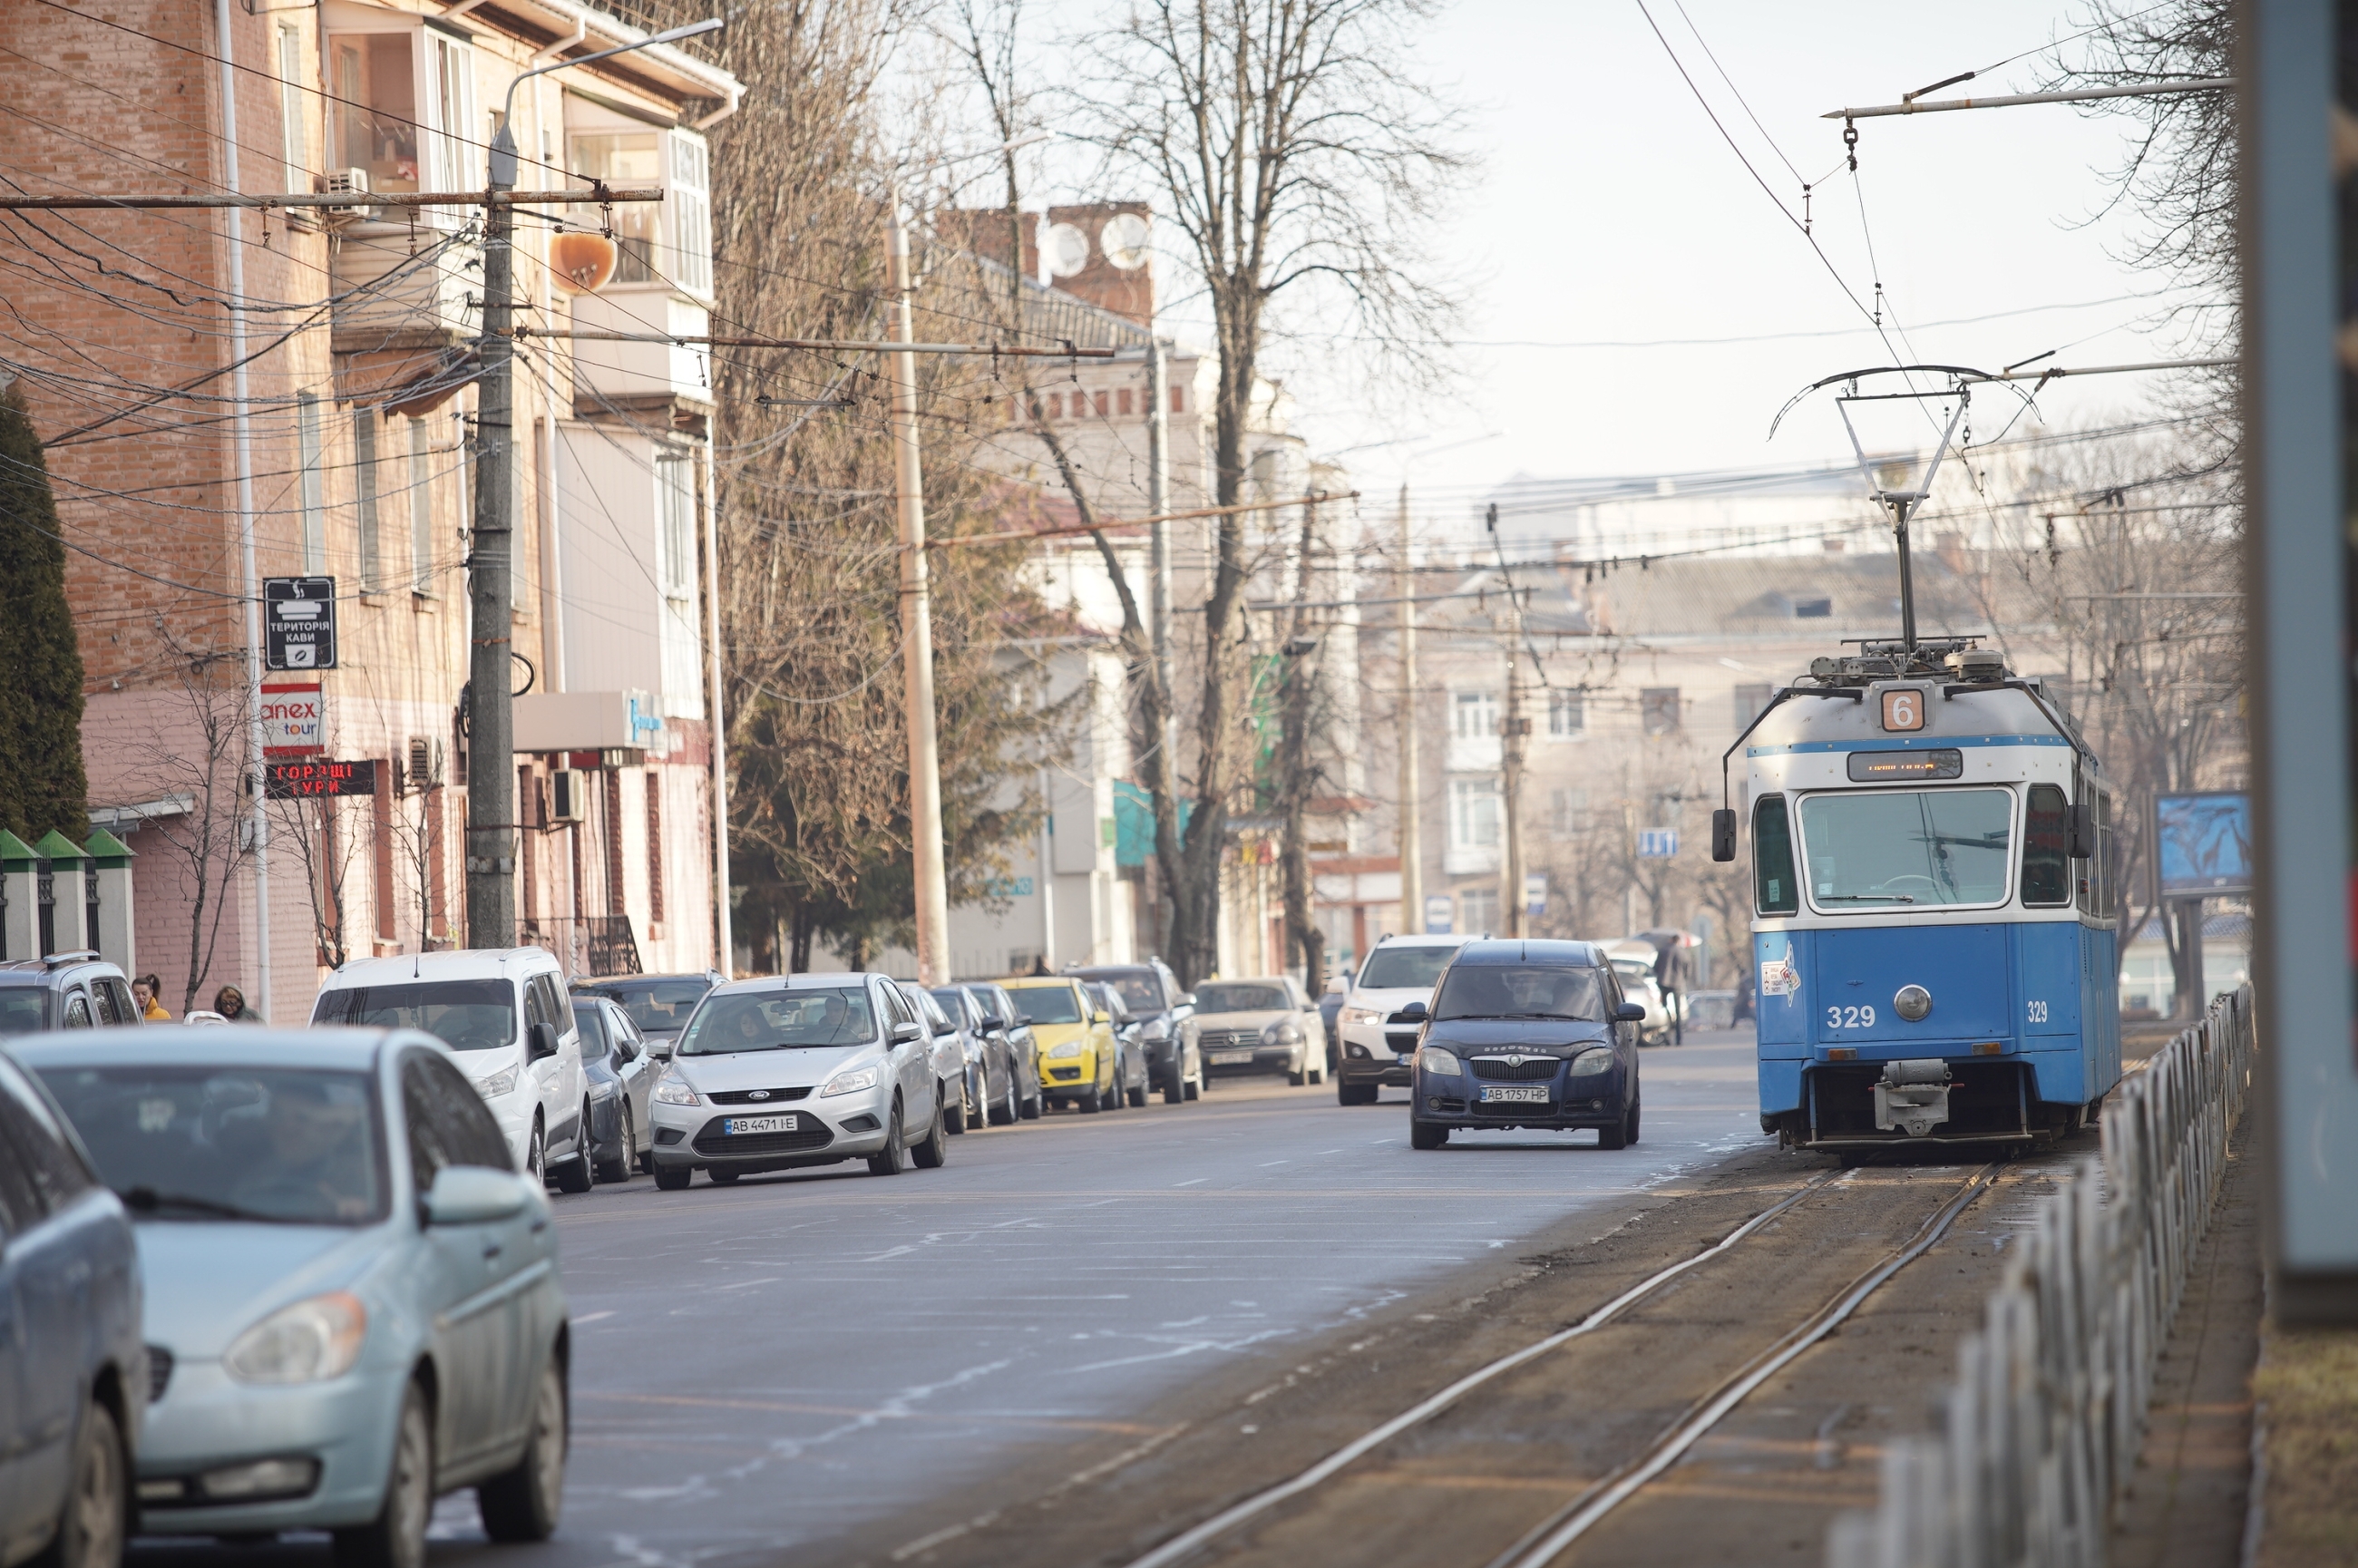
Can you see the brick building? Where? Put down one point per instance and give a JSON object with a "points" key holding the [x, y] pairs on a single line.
{"points": [[331, 418]]}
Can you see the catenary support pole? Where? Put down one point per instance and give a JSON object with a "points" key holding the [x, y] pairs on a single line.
{"points": [[1409, 834], [1160, 595], [235, 243], [491, 726], [724, 935], [917, 632]]}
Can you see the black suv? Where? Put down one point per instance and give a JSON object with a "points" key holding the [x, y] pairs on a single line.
{"points": [[64, 990], [1151, 991]]}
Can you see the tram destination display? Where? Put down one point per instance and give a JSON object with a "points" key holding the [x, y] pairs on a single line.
{"points": [[1877, 767]]}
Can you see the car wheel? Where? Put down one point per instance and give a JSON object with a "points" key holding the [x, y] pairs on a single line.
{"points": [[576, 1174], [1031, 1110], [91, 1527], [1008, 1114], [933, 1150], [1174, 1086], [522, 1503], [1138, 1093], [1317, 1066], [1298, 1073], [396, 1537], [1195, 1084], [673, 1178], [953, 1115], [1635, 1106], [722, 1176], [1616, 1136], [1357, 1094], [891, 1160], [617, 1169], [1090, 1103], [1425, 1135], [536, 1155]]}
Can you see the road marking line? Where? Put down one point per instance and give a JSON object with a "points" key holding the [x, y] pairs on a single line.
{"points": [[1191, 1184], [592, 1317]]}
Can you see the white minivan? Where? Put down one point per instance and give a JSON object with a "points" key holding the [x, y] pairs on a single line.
{"points": [[506, 1017]]}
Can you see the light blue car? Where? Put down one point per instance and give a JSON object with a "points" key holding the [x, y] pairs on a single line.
{"points": [[352, 1301]]}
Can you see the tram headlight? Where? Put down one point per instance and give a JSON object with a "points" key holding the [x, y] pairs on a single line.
{"points": [[1912, 1003], [1433, 1059]]}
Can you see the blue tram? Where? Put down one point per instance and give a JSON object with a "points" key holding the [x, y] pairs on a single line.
{"points": [[1933, 931]]}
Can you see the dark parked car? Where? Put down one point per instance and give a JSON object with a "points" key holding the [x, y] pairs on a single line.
{"points": [[1130, 1078], [1151, 991], [65, 990], [658, 1004], [620, 1076], [73, 1373], [1002, 1018], [1526, 1034], [994, 1089]]}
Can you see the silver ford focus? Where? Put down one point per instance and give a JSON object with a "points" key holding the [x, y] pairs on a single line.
{"points": [[811, 1070]]}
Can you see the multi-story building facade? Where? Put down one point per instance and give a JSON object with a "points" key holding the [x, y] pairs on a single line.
{"points": [[237, 396]]}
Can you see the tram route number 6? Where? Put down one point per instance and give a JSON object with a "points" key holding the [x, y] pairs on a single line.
{"points": [[1903, 708], [2038, 1012], [1850, 1017]]}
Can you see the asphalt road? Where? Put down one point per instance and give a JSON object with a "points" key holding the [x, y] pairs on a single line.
{"points": [[768, 1366]]}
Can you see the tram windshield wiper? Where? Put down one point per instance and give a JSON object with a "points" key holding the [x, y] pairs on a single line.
{"points": [[1865, 898]]}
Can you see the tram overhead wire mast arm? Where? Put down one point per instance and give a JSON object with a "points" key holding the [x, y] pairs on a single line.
{"points": [[1910, 105]]}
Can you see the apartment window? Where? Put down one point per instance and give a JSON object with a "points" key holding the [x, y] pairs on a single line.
{"points": [[689, 199], [1123, 401], [310, 483], [1474, 813], [1750, 701], [1104, 403], [1567, 714], [1477, 910], [1056, 406], [295, 143], [364, 481], [655, 846], [374, 111], [677, 484], [625, 159], [1473, 714], [1658, 708], [421, 509], [457, 157], [1567, 812], [1178, 400]]}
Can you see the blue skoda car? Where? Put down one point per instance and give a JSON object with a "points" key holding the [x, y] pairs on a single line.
{"points": [[1526, 1034]]}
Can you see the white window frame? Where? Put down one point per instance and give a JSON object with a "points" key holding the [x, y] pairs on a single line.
{"points": [[1567, 713], [296, 136], [311, 483], [1467, 822], [447, 104], [364, 488], [1474, 715], [421, 509], [687, 210]]}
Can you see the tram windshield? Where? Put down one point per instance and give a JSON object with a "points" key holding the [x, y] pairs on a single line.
{"points": [[1892, 849]]}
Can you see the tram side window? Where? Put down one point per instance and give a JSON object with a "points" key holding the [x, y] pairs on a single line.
{"points": [[1776, 890], [2107, 895], [2047, 849]]}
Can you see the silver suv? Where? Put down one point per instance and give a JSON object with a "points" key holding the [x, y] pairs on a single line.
{"points": [[64, 990], [1377, 1044]]}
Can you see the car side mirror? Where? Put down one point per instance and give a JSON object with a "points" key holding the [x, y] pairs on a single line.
{"points": [[473, 1194], [2083, 831], [1023, 1021], [1101, 1016], [1630, 1012], [993, 1023], [904, 1032], [659, 1050], [542, 1040], [1186, 999], [1722, 835], [1414, 1010]]}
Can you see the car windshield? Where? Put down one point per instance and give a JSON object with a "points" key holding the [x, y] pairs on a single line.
{"points": [[287, 1145], [657, 1007], [1405, 968], [1889, 849], [781, 1020], [1139, 990], [466, 1015], [1049, 1004], [591, 1024], [23, 1010], [1514, 990], [1235, 997], [953, 1003]]}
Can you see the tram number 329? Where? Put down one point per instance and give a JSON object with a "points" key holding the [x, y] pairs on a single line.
{"points": [[2038, 1012], [1850, 1017]]}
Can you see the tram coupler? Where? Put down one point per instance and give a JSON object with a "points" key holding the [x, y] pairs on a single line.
{"points": [[1913, 1097]]}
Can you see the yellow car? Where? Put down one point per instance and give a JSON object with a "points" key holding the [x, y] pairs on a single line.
{"points": [[1078, 1056]]}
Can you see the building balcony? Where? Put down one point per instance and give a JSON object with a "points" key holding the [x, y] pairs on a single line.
{"points": [[1470, 859], [1474, 754], [399, 287], [609, 374]]}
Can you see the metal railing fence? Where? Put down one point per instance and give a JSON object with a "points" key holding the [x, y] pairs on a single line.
{"points": [[2044, 1423]]}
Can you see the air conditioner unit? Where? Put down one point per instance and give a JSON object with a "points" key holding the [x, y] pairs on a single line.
{"points": [[424, 762], [339, 181], [568, 795]]}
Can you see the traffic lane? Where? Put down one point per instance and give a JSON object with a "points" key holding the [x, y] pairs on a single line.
{"points": [[760, 1367]]}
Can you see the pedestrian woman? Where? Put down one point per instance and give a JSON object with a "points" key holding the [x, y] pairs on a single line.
{"points": [[229, 1002], [145, 990]]}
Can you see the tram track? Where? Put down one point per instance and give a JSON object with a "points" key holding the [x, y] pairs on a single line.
{"points": [[1546, 1542]]}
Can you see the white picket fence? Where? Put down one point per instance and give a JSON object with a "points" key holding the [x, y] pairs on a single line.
{"points": [[2044, 1423]]}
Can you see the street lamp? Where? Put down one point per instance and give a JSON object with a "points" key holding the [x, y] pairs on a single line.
{"points": [[491, 784]]}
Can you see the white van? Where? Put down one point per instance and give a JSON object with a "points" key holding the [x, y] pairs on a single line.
{"points": [[506, 1017]]}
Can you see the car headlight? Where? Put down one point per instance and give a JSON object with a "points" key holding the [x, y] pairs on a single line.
{"points": [[1588, 1063], [850, 1083], [1363, 1015], [675, 1091], [499, 1083], [1433, 1059], [309, 1342], [1069, 1048], [1284, 1033]]}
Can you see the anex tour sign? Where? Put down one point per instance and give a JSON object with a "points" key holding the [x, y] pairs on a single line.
{"points": [[294, 719]]}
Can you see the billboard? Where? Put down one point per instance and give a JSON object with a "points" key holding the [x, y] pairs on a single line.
{"points": [[2204, 841]]}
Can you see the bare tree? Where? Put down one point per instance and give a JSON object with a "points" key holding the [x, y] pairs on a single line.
{"points": [[1300, 160], [314, 828], [198, 754]]}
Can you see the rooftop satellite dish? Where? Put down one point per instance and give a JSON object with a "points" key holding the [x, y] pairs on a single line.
{"points": [[1067, 250], [1124, 241]]}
